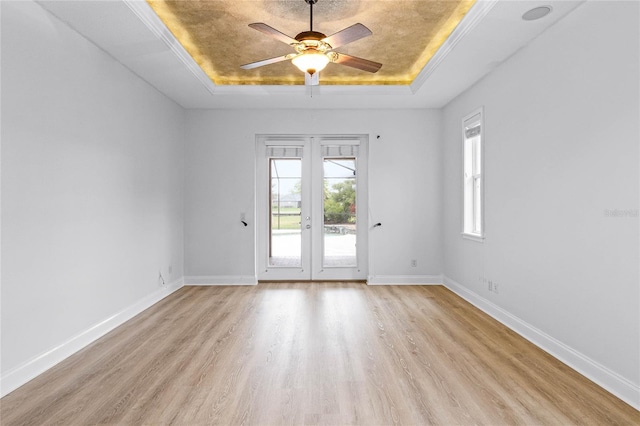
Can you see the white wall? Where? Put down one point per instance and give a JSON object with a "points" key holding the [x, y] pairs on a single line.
{"points": [[92, 179], [220, 180], [561, 147], [93, 168]]}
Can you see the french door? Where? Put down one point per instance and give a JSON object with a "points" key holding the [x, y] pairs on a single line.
{"points": [[311, 207]]}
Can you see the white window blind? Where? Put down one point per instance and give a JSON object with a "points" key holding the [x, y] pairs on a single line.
{"points": [[290, 151], [472, 125], [337, 151]]}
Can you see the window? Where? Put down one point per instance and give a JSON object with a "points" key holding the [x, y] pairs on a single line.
{"points": [[473, 201]]}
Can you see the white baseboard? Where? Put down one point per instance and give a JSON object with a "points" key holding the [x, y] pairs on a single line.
{"points": [[601, 375], [37, 365], [404, 280], [609, 380], [221, 280]]}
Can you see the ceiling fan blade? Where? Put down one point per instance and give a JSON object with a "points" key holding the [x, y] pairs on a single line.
{"points": [[312, 80], [359, 63], [348, 35], [264, 28], [264, 62]]}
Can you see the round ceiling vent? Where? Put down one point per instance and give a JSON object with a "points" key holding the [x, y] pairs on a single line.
{"points": [[536, 13]]}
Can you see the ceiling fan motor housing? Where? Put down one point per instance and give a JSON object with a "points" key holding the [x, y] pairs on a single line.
{"points": [[311, 40], [310, 35]]}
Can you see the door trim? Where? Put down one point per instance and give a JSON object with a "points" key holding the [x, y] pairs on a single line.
{"points": [[312, 208]]}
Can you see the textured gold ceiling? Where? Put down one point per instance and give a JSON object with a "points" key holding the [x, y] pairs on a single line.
{"points": [[406, 34]]}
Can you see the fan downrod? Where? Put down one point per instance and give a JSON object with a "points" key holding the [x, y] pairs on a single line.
{"points": [[311, 3]]}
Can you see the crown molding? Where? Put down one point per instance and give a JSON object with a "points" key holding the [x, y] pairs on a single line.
{"points": [[316, 90], [475, 15], [149, 18]]}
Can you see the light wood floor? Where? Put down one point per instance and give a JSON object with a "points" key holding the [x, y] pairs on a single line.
{"points": [[312, 353]]}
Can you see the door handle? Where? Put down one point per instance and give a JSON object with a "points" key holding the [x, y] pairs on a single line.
{"points": [[308, 226]]}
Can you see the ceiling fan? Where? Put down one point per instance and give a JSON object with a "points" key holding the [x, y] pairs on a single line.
{"points": [[314, 50]]}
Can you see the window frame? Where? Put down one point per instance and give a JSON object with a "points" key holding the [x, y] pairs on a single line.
{"points": [[470, 175]]}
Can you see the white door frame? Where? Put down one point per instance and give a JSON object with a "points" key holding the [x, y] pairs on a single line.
{"points": [[312, 246]]}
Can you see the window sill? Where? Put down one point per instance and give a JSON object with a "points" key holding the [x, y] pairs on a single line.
{"points": [[473, 237]]}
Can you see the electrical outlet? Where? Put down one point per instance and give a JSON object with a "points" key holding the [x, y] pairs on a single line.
{"points": [[414, 263], [495, 288], [490, 285]]}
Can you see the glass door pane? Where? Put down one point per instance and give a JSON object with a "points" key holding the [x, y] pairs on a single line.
{"points": [[340, 227], [306, 196], [285, 202]]}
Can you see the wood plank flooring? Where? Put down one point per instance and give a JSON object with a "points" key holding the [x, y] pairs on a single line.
{"points": [[310, 354]]}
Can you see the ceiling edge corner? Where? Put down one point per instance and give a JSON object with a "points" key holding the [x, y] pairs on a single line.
{"points": [[475, 15], [148, 17]]}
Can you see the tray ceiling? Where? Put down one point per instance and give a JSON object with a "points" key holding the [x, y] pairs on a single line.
{"points": [[133, 34], [406, 34]]}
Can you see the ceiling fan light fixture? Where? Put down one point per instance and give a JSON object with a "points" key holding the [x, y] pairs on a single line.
{"points": [[311, 61]]}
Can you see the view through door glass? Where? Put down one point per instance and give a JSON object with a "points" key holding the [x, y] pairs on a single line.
{"points": [[310, 191], [339, 233], [285, 239]]}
